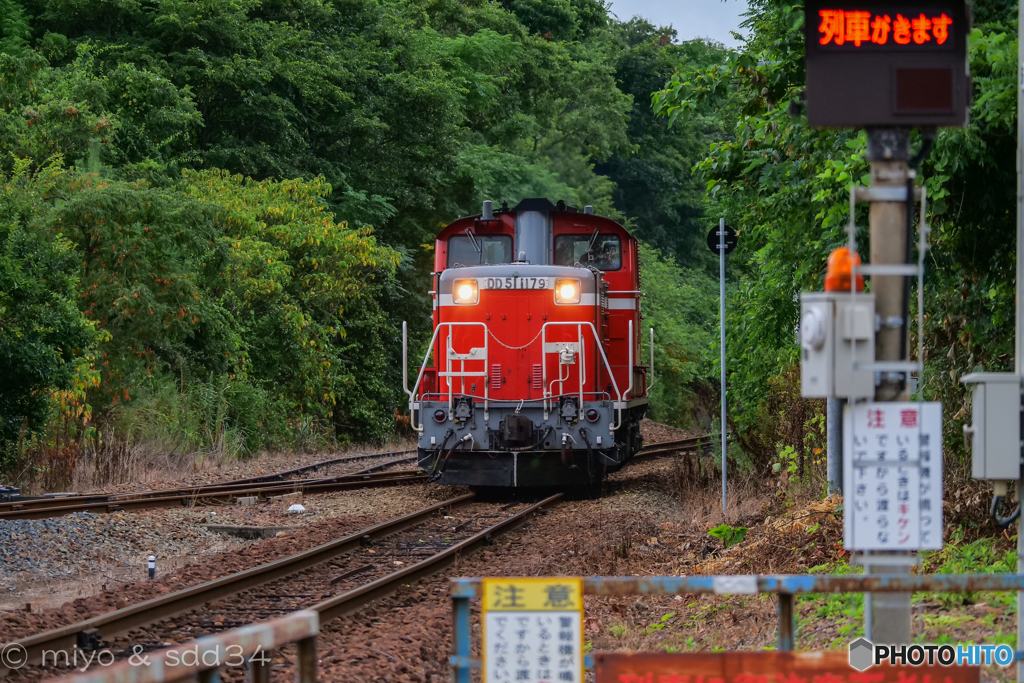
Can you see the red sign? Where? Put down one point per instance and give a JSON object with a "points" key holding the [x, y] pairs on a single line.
{"points": [[860, 27], [765, 667]]}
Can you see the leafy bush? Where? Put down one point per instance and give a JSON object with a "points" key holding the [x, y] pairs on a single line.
{"points": [[729, 535]]}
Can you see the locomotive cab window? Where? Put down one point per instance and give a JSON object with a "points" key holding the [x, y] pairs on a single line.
{"points": [[604, 254], [479, 250]]}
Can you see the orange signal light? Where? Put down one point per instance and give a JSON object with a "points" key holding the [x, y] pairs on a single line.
{"points": [[840, 269]]}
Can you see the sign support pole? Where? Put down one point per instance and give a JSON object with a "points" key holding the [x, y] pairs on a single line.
{"points": [[834, 444], [889, 152], [721, 312]]}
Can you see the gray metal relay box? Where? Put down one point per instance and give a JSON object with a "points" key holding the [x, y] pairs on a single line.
{"points": [[837, 334], [995, 432]]}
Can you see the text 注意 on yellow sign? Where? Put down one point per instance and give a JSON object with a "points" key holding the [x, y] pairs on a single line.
{"points": [[532, 630], [533, 594]]}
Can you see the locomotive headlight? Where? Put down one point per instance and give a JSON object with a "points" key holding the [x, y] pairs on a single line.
{"points": [[567, 291], [465, 292]]}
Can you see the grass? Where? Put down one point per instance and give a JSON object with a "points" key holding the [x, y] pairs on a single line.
{"points": [[980, 556]]}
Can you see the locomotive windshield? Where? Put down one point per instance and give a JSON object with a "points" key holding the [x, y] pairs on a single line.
{"points": [[479, 250], [605, 255]]}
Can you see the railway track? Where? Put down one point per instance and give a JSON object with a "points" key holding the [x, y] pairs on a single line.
{"points": [[222, 494], [280, 476], [263, 487], [688, 444], [333, 579]]}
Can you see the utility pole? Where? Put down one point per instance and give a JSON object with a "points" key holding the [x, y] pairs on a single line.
{"points": [[889, 152]]}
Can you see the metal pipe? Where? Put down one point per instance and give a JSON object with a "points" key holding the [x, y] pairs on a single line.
{"points": [[834, 444], [794, 584], [1018, 342], [629, 367], [582, 370], [461, 635], [721, 313], [787, 623], [651, 382]]}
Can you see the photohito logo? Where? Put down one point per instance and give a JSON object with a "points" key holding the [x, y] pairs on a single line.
{"points": [[13, 656], [862, 654], [865, 654]]}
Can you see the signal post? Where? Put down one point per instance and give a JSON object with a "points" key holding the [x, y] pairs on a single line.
{"points": [[887, 67]]}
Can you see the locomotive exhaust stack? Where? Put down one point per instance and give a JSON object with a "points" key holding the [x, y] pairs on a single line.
{"points": [[536, 328]]}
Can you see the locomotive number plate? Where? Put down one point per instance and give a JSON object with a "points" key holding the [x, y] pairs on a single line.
{"points": [[520, 283]]}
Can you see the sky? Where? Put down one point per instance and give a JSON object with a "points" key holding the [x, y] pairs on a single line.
{"points": [[691, 18]]}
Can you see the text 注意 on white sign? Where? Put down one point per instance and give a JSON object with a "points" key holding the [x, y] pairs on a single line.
{"points": [[892, 459]]}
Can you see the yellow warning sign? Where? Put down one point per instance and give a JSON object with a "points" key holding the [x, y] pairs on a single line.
{"points": [[533, 594], [533, 630]]}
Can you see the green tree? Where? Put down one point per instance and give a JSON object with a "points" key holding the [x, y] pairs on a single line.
{"points": [[44, 338], [787, 187], [654, 182], [14, 28]]}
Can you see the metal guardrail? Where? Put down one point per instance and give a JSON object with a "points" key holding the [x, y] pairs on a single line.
{"points": [[212, 652], [787, 587]]}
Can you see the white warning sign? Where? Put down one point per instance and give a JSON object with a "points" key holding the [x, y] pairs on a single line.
{"points": [[892, 480]]}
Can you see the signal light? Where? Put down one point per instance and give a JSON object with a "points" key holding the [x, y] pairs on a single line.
{"points": [[440, 415], [840, 270], [567, 291], [465, 292], [592, 415]]}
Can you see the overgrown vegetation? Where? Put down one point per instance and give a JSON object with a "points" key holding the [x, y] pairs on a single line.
{"points": [[786, 187], [217, 216]]}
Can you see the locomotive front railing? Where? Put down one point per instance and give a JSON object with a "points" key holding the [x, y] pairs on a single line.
{"points": [[582, 372], [473, 355], [450, 356]]}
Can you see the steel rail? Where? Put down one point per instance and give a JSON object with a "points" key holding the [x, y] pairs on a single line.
{"points": [[226, 492], [389, 463], [687, 444], [166, 606], [316, 466], [226, 497], [352, 600], [236, 489]]}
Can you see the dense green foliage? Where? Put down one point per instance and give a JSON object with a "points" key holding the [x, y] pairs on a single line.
{"points": [[217, 215], [188, 259], [787, 187]]}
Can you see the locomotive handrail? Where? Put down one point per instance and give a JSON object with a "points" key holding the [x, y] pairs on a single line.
{"points": [[651, 382], [607, 365], [448, 372]]}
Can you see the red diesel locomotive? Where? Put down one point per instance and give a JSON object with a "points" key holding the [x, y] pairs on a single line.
{"points": [[532, 378]]}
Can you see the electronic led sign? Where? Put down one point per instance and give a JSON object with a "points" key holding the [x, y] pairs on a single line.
{"points": [[871, 64]]}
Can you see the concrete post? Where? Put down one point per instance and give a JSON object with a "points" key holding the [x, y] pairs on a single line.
{"points": [[889, 152]]}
